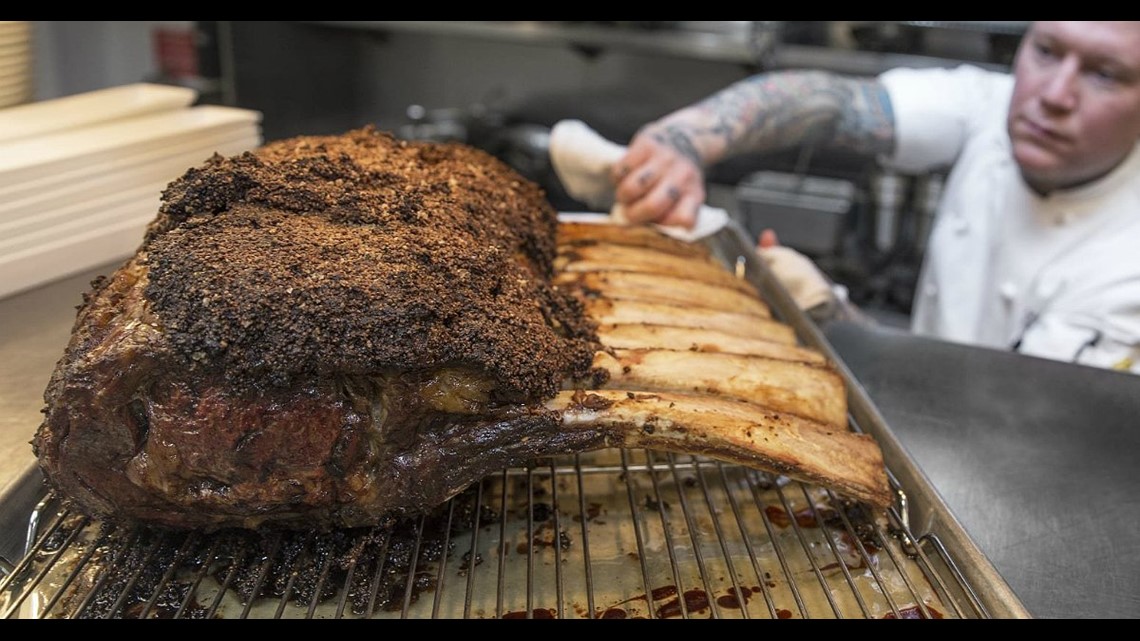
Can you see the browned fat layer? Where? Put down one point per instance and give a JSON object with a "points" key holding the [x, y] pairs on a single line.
{"points": [[588, 234], [585, 400], [359, 253]]}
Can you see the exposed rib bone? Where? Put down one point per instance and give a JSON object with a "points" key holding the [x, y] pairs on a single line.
{"points": [[694, 339], [579, 233], [697, 364], [619, 311], [602, 257], [811, 391], [665, 289], [733, 431]]}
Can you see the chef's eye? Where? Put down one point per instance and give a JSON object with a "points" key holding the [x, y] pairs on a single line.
{"points": [[1105, 76], [1045, 51]]}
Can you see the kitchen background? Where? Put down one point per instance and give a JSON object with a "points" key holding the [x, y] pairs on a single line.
{"points": [[502, 85]]}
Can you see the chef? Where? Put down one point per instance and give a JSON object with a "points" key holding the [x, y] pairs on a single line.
{"points": [[1036, 244]]}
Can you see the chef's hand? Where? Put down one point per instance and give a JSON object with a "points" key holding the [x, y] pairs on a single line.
{"points": [[809, 287], [656, 183]]}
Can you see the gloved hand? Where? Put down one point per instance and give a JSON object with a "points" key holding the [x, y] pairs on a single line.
{"points": [[655, 182], [585, 163], [808, 286]]}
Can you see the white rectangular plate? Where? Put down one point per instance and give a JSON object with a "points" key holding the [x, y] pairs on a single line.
{"points": [[92, 107], [31, 158]]}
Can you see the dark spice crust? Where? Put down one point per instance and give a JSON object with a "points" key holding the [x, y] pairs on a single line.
{"points": [[361, 254]]}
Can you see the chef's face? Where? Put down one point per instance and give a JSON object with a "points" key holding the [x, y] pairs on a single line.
{"points": [[1075, 112]]}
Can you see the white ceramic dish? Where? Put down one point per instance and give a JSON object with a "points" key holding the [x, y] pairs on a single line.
{"points": [[63, 257], [30, 158], [10, 77], [92, 107], [15, 58], [110, 214], [16, 82], [35, 204], [83, 177], [15, 26], [19, 87], [49, 225], [13, 41], [91, 227], [15, 96]]}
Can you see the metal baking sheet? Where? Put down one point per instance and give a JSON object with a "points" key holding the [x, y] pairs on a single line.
{"points": [[924, 511]]}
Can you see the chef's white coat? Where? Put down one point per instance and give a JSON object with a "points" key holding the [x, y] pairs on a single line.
{"points": [[1056, 277]]}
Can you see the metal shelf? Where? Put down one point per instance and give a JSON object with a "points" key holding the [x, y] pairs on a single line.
{"points": [[739, 42]]}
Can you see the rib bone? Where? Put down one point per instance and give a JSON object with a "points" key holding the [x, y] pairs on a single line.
{"points": [[610, 257], [578, 234], [733, 431], [666, 289], [695, 339], [605, 310], [810, 391]]}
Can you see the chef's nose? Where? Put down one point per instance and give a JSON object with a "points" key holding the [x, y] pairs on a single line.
{"points": [[1061, 90]]}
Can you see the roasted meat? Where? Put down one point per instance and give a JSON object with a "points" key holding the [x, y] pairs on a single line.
{"points": [[333, 330]]}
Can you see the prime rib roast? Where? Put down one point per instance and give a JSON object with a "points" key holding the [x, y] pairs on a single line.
{"points": [[332, 330]]}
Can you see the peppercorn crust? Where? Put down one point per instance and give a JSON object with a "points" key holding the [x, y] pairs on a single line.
{"points": [[363, 254]]}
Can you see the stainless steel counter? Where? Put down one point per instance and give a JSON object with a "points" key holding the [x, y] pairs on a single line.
{"points": [[1037, 459]]}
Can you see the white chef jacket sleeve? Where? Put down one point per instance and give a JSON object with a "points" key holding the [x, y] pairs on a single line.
{"points": [[936, 110]]}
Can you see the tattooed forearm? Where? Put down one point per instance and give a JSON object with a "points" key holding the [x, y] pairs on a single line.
{"points": [[679, 137], [867, 123], [771, 112]]}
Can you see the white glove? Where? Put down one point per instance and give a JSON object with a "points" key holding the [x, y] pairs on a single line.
{"points": [[808, 286], [582, 159]]}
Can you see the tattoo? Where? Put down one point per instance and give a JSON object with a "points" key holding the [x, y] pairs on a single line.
{"points": [[678, 137], [867, 124], [776, 111]]}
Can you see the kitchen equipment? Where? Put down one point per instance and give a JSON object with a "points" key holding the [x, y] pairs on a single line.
{"points": [[612, 534], [809, 213]]}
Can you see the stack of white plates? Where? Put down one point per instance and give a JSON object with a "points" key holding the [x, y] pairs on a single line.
{"points": [[82, 176], [15, 62]]}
